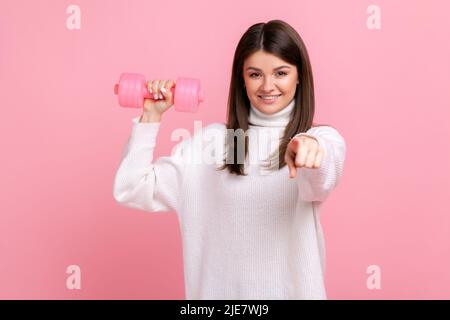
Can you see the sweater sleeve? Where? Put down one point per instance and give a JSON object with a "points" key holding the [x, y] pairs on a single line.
{"points": [[317, 184], [142, 183]]}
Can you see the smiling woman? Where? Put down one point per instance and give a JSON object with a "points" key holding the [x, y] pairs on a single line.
{"points": [[269, 88], [271, 71], [248, 233]]}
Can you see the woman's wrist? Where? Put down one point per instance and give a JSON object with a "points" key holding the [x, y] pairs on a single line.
{"points": [[150, 117]]}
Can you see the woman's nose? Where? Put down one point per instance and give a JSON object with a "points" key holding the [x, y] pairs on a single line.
{"points": [[268, 85]]}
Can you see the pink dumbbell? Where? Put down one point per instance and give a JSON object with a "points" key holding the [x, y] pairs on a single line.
{"points": [[132, 90]]}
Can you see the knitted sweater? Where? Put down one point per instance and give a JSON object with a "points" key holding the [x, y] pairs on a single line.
{"points": [[243, 237]]}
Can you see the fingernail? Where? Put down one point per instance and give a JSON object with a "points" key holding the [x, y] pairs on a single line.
{"points": [[155, 96], [163, 90], [160, 96]]}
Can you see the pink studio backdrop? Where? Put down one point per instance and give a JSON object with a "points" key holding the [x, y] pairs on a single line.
{"points": [[62, 134]]}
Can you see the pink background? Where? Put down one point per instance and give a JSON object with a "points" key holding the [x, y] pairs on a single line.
{"points": [[62, 134]]}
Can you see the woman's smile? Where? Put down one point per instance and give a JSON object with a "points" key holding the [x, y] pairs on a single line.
{"points": [[269, 99]]}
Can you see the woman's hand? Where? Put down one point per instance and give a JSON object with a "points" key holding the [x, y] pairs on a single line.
{"points": [[162, 96], [303, 151]]}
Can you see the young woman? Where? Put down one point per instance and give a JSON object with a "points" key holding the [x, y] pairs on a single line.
{"points": [[250, 229]]}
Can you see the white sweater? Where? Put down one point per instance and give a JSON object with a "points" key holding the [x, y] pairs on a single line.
{"points": [[244, 237]]}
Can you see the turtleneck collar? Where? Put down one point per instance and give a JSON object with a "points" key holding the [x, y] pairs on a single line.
{"points": [[278, 119]]}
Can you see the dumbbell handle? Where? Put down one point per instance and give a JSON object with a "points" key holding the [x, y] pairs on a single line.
{"points": [[145, 93]]}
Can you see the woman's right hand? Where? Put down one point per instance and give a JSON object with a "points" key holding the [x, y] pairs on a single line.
{"points": [[162, 96]]}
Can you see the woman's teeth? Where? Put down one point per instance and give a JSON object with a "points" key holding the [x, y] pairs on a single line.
{"points": [[269, 97]]}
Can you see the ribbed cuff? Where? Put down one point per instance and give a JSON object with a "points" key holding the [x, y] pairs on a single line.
{"points": [[144, 132], [144, 128]]}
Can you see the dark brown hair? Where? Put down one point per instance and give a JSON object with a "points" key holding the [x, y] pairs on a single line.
{"points": [[280, 39]]}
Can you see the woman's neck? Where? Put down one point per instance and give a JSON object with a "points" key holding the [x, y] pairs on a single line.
{"points": [[279, 119]]}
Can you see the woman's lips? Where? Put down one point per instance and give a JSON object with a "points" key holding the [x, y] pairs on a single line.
{"points": [[269, 101]]}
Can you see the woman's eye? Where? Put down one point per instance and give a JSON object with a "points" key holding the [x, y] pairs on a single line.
{"points": [[279, 73]]}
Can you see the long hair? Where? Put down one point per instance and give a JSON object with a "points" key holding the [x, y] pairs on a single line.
{"points": [[280, 39]]}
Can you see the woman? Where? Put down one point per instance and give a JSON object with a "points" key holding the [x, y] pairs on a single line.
{"points": [[250, 229]]}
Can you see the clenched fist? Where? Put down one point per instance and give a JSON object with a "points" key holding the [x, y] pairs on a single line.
{"points": [[162, 96], [303, 151]]}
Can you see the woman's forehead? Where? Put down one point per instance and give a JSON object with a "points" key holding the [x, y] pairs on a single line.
{"points": [[260, 59]]}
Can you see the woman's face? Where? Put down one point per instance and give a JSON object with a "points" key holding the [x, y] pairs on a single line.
{"points": [[266, 75]]}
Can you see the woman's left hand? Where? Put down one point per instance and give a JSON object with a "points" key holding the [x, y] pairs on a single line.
{"points": [[303, 151]]}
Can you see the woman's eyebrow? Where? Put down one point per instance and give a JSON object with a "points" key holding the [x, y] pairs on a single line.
{"points": [[261, 70]]}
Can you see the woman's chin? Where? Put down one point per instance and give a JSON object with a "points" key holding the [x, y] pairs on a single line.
{"points": [[269, 109]]}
